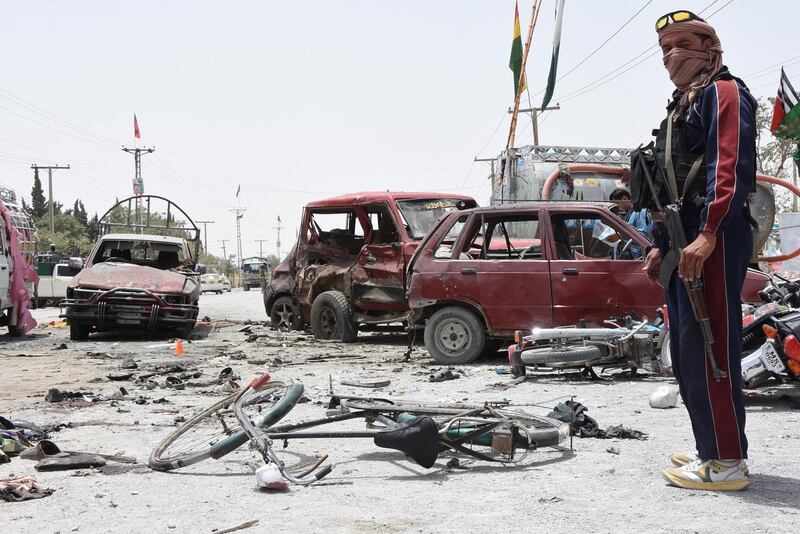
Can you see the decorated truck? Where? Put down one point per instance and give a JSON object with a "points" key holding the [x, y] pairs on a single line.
{"points": [[18, 277], [141, 273]]}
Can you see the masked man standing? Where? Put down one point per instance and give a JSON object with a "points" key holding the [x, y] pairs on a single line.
{"points": [[707, 147]]}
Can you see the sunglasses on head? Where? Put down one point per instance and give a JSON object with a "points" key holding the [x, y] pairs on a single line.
{"points": [[675, 16]]}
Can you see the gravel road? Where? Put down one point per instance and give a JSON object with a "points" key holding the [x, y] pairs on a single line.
{"points": [[370, 490]]}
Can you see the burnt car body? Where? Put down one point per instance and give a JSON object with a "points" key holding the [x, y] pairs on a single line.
{"points": [[484, 273], [348, 266], [143, 280]]}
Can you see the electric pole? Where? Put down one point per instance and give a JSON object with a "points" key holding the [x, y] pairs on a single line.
{"points": [[239, 214], [535, 118], [138, 183], [260, 246], [278, 240], [205, 234], [50, 169], [224, 253]]}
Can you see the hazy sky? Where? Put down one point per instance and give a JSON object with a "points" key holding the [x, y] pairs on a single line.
{"points": [[302, 100]]}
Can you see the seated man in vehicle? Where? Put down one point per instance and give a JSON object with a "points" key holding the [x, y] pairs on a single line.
{"points": [[640, 220]]}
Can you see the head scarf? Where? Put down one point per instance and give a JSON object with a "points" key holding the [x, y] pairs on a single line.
{"points": [[691, 70]]}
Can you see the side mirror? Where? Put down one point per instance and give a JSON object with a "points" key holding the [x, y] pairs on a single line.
{"points": [[201, 268]]}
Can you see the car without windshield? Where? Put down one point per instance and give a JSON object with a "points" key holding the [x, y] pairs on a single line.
{"points": [[482, 274], [347, 269], [141, 281]]}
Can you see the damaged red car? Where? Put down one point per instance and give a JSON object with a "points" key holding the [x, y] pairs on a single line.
{"points": [[143, 279], [347, 269], [484, 273]]}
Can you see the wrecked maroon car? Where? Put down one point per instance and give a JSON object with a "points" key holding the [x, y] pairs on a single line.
{"points": [[144, 279], [347, 269], [484, 273]]}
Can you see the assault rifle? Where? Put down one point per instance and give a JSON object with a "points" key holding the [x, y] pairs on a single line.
{"points": [[678, 242]]}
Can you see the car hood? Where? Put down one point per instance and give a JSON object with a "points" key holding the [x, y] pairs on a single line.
{"points": [[111, 275]]}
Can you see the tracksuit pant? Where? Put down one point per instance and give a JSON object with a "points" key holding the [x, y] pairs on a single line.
{"points": [[716, 409]]}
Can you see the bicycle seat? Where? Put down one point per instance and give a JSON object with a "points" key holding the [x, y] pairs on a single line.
{"points": [[418, 438]]}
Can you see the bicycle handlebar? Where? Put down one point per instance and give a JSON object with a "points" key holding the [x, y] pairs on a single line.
{"points": [[261, 439]]}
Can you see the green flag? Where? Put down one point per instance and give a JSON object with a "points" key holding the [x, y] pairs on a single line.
{"points": [[551, 78], [515, 63]]}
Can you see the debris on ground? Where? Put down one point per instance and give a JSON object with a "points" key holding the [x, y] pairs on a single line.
{"points": [[375, 384], [56, 395], [22, 489], [584, 426], [443, 375], [664, 396]]}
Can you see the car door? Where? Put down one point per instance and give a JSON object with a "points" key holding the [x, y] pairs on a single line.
{"points": [[497, 265], [596, 271], [379, 273]]}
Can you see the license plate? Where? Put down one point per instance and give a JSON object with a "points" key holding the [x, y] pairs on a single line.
{"points": [[771, 359]]}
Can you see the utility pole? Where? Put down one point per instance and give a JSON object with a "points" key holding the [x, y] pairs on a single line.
{"points": [[260, 246], [138, 183], [205, 234], [239, 214], [535, 118], [50, 169], [278, 229], [224, 253]]}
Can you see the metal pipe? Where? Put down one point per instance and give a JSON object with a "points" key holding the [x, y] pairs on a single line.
{"points": [[571, 333]]}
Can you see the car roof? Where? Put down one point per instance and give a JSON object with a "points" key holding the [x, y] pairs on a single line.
{"points": [[143, 237], [367, 197], [556, 205]]}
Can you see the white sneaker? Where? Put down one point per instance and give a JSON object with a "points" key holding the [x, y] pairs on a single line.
{"points": [[682, 458], [717, 475]]}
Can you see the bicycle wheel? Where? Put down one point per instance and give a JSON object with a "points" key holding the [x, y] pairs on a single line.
{"points": [[215, 431]]}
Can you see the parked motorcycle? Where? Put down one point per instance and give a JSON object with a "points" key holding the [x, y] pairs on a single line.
{"points": [[626, 347]]}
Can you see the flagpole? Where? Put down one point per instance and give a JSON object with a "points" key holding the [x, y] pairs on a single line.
{"points": [[513, 129]]}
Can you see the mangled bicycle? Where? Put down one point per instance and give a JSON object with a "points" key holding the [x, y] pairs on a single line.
{"points": [[494, 432]]}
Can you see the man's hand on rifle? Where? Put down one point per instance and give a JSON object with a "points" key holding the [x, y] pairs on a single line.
{"points": [[695, 255], [652, 264]]}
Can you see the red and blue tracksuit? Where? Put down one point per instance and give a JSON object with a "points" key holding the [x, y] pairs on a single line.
{"points": [[722, 124]]}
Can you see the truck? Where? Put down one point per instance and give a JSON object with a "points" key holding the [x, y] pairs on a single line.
{"points": [[254, 272], [55, 273], [143, 279], [17, 274]]}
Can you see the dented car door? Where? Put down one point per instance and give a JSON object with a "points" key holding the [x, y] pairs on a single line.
{"points": [[379, 274]]}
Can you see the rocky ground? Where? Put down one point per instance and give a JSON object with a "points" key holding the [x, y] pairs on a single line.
{"points": [[586, 490]]}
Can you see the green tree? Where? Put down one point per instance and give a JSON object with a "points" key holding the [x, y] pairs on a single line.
{"points": [[70, 236], [774, 154], [38, 202]]}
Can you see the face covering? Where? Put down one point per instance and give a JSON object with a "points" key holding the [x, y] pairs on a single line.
{"points": [[684, 66]]}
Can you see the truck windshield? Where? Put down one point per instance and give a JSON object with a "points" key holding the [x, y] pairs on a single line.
{"points": [[419, 215], [153, 254], [251, 268]]}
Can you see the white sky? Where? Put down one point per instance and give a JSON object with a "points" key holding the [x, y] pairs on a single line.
{"points": [[302, 100]]}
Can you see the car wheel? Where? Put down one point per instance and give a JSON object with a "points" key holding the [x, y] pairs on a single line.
{"points": [[332, 317], [567, 356], [285, 314], [79, 331], [455, 335], [246, 288]]}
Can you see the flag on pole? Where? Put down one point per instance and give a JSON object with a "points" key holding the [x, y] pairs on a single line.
{"points": [[136, 133], [551, 78], [239, 215], [786, 113], [238, 188], [515, 63], [279, 219]]}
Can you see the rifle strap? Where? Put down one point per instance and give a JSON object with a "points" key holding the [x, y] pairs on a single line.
{"points": [[671, 179]]}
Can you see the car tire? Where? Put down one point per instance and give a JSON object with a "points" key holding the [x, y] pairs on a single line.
{"points": [[79, 331], [332, 317], [246, 288], [286, 314], [561, 356], [455, 335]]}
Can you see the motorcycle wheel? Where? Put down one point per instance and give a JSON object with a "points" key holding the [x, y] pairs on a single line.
{"points": [[567, 356]]}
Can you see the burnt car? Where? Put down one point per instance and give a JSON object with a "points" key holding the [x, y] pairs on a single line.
{"points": [[347, 269], [484, 273], [144, 279]]}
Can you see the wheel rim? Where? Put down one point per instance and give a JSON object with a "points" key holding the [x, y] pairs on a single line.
{"points": [[285, 316], [453, 336], [327, 322]]}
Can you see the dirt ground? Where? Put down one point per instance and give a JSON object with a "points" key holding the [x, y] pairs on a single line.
{"points": [[370, 489]]}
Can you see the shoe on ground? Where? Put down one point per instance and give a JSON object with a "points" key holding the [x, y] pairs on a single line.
{"points": [[682, 458], [713, 475]]}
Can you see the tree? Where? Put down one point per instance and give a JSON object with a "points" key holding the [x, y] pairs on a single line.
{"points": [[79, 212], [773, 153], [38, 202], [70, 236]]}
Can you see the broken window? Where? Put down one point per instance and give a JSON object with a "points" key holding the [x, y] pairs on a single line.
{"points": [[384, 231], [588, 235], [419, 215], [340, 229], [514, 237], [444, 250]]}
